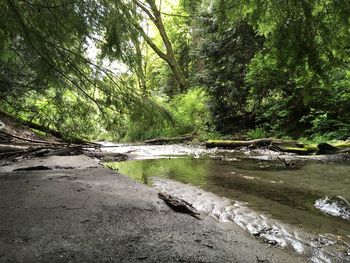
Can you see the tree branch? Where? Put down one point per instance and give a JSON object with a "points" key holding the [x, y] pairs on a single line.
{"points": [[49, 6], [145, 9], [149, 41], [25, 31]]}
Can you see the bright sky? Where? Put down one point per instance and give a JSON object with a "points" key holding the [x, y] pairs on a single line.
{"points": [[116, 67]]}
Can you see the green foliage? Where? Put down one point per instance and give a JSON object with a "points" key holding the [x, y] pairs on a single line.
{"points": [[150, 120], [266, 67], [256, 134], [190, 110], [297, 65], [187, 113]]}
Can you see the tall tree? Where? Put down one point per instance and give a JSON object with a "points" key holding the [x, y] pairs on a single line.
{"points": [[151, 10]]}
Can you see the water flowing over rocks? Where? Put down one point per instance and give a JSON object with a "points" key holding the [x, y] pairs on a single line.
{"points": [[334, 206], [317, 248]]}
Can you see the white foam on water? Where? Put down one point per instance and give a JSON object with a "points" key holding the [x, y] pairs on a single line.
{"points": [[336, 206]]}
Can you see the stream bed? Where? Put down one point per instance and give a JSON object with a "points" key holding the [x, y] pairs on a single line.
{"points": [[304, 207]]}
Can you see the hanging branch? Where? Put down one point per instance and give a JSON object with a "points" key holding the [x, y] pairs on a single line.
{"points": [[25, 31]]}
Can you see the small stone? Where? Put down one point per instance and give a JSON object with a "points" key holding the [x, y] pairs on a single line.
{"points": [[142, 257], [209, 246]]}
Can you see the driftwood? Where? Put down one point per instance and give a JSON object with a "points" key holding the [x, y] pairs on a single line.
{"points": [[34, 151], [278, 145], [5, 147], [14, 153], [73, 150], [4, 138], [33, 125], [178, 139], [33, 168], [179, 205], [286, 163]]}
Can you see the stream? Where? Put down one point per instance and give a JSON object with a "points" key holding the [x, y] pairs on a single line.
{"points": [[303, 207]]}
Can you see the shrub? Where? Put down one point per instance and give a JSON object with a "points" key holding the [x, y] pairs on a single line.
{"points": [[256, 133]]}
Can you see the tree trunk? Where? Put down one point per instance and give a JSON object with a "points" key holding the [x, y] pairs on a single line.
{"points": [[169, 55], [139, 68]]}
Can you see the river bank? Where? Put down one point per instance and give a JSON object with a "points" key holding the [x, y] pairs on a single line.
{"points": [[301, 206], [81, 212]]}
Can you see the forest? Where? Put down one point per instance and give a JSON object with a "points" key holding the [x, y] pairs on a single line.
{"points": [[130, 70], [175, 131]]}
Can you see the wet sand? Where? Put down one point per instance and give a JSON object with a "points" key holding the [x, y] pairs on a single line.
{"points": [[82, 212]]}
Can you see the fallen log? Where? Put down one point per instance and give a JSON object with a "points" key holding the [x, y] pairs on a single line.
{"points": [[287, 146], [29, 140], [178, 139], [253, 143], [179, 205], [39, 127], [12, 147], [307, 149]]}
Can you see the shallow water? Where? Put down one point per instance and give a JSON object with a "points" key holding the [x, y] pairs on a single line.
{"points": [[265, 187]]}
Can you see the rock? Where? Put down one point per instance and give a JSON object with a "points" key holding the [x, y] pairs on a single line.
{"points": [[325, 148], [107, 157]]}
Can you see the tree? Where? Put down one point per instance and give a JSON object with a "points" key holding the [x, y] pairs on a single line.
{"points": [[135, 13], [227, 48], [305, 40], [45, 73], [280, 80]]}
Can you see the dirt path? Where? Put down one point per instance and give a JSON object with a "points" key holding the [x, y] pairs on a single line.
{"points": [[90, 214]]}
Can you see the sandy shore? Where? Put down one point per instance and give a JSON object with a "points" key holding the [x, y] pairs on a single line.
{"points": [[81, 212]]}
